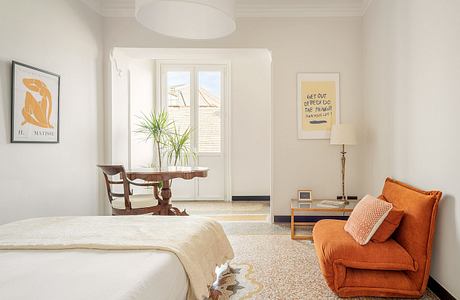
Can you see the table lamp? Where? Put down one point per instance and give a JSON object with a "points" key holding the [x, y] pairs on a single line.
{"points": [[343, 134]]}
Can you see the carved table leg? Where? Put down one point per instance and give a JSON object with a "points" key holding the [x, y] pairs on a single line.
{"points": [[165, 205], [176, 212]]}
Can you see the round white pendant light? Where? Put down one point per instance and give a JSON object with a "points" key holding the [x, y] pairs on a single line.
{"points": [[189, 19]]}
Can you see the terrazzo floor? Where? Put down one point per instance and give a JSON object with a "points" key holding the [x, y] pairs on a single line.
{"points": [[287, 269], [258, 211]]}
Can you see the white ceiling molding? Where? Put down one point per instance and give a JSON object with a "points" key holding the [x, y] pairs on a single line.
{"points": [[118, 8], [112, 8], [255, 8], [300, 8]]}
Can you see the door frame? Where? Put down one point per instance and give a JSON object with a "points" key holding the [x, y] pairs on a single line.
{"points": [[226, 116]]}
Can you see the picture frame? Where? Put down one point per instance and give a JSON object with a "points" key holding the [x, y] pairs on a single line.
{"points": [[304, 195], [35, 105], [318, 104]]}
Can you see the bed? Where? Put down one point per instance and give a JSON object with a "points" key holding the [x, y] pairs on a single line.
{"points": [[133, 257]]}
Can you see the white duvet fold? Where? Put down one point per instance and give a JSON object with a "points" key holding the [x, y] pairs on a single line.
{"points": [[199, 243]]}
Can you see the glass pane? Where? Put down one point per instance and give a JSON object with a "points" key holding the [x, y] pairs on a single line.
{"points": [[178, 98], [326, 204], [209, 112]]}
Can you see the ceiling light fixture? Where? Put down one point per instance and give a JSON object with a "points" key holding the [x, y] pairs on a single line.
{"points": [[189, 19]]}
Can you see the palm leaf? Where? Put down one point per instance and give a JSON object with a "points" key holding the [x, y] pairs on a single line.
{"points": [[179, 149], [155, 127]]}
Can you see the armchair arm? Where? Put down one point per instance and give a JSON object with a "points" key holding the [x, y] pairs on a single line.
{"points": [[153, 184], [121, 195], [116, 181]]}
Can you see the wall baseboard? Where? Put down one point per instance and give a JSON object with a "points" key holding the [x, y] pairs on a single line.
{"points": [[250, 198], [287, 219], [439, 290], [348, 197]]}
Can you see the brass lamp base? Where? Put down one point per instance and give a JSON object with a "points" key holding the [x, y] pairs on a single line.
{"points": [[343, 199]]}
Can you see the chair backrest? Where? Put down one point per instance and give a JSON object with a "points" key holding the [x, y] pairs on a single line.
{"points": [[416, 230], [112, 170]]}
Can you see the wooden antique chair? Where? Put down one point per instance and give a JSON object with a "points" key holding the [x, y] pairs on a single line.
{"points": [[126, 203]]}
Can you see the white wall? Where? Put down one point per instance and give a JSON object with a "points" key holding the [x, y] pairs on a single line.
{"points": [[53, 179], [250, 76], [142, 96], [412, 76], [297, 45], [250, 119]]}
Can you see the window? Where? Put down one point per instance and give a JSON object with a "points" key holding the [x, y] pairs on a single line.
{"points": [[193, 97]]}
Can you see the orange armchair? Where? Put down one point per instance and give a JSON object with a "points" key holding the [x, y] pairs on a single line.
{"points": [[398, 267]]}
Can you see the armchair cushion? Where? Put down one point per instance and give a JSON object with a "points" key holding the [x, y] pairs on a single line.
{"points": [[389, 225], [137, 201]]}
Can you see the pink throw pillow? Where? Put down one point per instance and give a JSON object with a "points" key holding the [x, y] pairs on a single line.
{"points": [[366, 218]]}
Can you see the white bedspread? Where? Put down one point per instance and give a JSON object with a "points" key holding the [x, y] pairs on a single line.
{"points": [[91, 275], [199, 243]]}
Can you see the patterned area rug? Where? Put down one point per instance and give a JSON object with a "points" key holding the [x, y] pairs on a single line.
{"points": [[235, 282], [274, 267]]}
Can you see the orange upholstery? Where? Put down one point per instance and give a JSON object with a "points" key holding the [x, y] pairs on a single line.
{"points": [[338, 250], [398, 267], [389, 225]]}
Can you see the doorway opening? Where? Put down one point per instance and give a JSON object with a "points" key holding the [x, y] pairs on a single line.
{"points": [[224, 96]]}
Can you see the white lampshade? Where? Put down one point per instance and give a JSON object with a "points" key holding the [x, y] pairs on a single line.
{"points": [[343, 134], [189, 19]]}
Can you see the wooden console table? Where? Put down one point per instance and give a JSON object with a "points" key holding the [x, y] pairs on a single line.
{"points": [[316, 206], [164, 175]]}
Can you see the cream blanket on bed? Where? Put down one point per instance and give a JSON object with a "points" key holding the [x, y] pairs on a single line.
{"points": [[199, 243]]}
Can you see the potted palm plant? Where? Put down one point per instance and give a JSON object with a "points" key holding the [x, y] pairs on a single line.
{"points": [[167, 139]]}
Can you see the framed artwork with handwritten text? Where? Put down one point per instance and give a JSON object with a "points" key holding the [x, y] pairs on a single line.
{"points": [[318, 104], [34, 105]]}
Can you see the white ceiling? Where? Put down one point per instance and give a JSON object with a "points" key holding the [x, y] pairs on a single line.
{"points": [[255, 8]]}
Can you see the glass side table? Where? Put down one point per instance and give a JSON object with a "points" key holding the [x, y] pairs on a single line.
{"points": [[321, 207]]}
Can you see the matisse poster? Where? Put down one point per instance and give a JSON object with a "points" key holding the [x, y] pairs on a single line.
{"points": [[318, 104], [35, 105]]}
